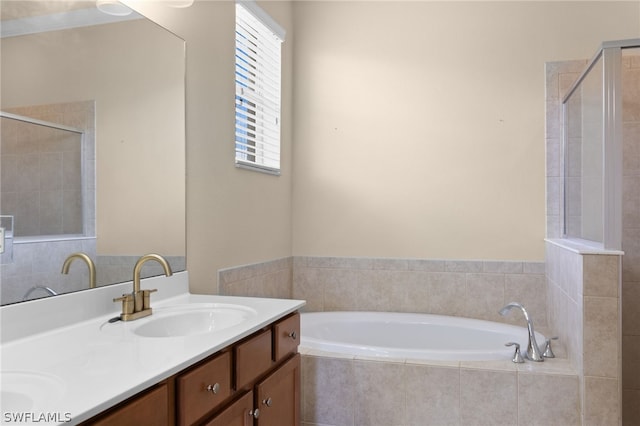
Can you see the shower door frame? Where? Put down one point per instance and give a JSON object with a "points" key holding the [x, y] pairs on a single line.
{"points": [[611, 54]]}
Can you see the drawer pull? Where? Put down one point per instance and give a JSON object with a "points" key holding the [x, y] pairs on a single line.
{"points": [[293, 335], [267, 402], [214, 389], [254, 413]]}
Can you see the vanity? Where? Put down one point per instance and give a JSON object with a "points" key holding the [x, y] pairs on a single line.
{"points": [[198, 359]]}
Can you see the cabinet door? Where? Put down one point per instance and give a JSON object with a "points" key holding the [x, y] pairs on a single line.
{"points": [[253, 359], [278, 396], [240, 413], [150, 408]]}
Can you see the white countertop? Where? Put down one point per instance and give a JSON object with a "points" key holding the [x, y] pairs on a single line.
{"points": [[80, 370]]}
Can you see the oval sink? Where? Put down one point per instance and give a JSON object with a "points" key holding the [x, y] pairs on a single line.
{"points": [[24, 391], [186, 320]]}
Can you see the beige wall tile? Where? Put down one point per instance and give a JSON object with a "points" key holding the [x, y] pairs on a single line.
{"points": [[427, 265], [340, 288], [631, 150], [601, 275], [504, 267], [630, 311], [631, 248], [328, 390], [463, 266], [538, 397], [601, 334], [530, 291], [631, 362], [602, 401], [379, 393], [484, 296], [433, 396], [488, 396], [308, 287], [380, 290], [447, 294], [630, 407]]}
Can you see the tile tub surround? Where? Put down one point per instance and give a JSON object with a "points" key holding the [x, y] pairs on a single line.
{"points": [[560, 76], [631, 238], [468, 288], [584, 310], [348, 391], [266, 279]]}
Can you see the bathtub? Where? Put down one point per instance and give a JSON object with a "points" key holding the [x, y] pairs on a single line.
{"points": [[410, 336]]}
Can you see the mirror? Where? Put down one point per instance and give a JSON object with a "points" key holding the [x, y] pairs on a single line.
{"points": [[93, 146]]}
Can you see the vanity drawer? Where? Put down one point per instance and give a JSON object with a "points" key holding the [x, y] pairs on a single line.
{"points": [[253, 358], [286, 334], [203, 388]]}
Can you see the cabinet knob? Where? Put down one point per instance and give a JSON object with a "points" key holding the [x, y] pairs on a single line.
{"points": [[215, 388], [267, 402], [293, 335], [254, 413]]}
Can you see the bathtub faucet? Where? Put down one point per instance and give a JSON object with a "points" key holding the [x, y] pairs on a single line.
{"points": [[533, 351]]}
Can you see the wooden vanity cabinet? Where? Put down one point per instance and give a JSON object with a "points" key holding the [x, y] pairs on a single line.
{"points": [[254, 382]]}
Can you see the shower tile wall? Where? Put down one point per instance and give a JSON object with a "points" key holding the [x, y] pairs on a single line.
{"points": [[584, 312], [41, 175], [20, 271], [631, 238], [567, 310], [25, 169]]}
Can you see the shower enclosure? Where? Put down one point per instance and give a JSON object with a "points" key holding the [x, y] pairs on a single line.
{"points": [[41, 177], [601, 184], [46, 200]]}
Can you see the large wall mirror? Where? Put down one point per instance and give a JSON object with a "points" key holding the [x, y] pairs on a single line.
{"points": [[93, 147]]}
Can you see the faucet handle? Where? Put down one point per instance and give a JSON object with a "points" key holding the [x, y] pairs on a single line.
{"points": [[146, 298], [548, 353], [127, 303], [517, 356]]}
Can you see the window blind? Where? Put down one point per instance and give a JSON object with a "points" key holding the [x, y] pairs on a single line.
{"points": [[258, 75]]}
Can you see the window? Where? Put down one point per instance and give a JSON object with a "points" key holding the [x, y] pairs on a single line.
{"points": [[258, 67]]}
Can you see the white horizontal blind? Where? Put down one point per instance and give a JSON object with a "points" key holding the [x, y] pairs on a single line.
{"points": [[258, 67]]}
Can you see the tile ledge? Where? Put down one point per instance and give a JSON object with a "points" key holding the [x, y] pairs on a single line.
{"points": [[579, 246]]}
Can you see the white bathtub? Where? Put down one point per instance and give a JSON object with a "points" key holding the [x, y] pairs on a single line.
{"points": [[410, 336]]}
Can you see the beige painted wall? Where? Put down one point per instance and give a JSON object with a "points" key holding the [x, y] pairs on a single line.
{"points": [[419, 129], [139, 129], [419, 126], [234, 216]]}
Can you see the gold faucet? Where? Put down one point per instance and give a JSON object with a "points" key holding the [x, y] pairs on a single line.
{"points": [[138, 304], [87, 260]]}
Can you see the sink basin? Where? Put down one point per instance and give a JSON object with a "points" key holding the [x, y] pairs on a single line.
{"points": [[24, 391], [184, 320]]}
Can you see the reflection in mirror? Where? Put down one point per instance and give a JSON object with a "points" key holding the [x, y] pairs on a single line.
{"points": [[92, 147]]}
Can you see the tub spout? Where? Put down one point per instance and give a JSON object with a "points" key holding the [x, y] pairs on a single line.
{"points": [[533, 351]]}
